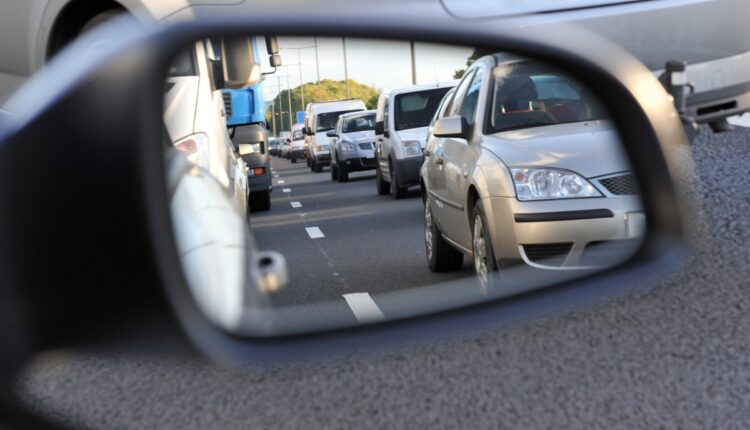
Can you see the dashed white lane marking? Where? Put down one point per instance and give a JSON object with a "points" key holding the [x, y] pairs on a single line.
{"points": [[364, 307], [279, 182], [740, 120], [314, 232], [275, 175], [287, 190], [296, 205]]}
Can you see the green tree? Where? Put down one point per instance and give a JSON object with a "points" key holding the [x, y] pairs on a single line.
{"points": [[475, 55], [327, 90]]}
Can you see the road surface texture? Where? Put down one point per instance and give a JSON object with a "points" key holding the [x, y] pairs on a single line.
{"points": [[673, 357]]}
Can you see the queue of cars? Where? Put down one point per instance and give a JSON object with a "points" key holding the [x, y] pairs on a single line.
{"points": [[517, 165]]}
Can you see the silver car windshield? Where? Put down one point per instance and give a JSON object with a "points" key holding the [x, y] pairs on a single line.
{"points": [[527, 94], [359, 123]]}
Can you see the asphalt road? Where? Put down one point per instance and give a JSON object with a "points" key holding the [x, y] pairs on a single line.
{"points": [[370, 244], [673, 357]]}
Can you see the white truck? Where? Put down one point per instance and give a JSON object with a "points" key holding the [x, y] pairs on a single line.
{"points": [[320, 118], [402, 118]]}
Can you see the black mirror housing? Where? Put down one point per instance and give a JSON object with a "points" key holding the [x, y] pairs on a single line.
{"points": [[134, 158]]}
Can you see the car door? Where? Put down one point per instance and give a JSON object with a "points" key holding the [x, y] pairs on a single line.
{"points": [[433, 169], [385, 142], [444, 173], [458, 160], [333, 141]]}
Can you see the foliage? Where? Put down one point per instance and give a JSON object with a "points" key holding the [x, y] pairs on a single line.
{"points": [[327, 90]]}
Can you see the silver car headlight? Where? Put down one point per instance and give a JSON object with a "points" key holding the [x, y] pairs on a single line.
{"points": [[548, 184], [412, 148], [347, 147]]}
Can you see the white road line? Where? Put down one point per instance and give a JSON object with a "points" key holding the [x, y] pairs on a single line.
{"points": [[314, 232], [740, 120], [364, 307], [279, 182], [296, 205], [287, 190]]}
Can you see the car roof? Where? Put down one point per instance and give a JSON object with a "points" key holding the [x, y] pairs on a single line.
{"points": [[359, 113], [421, 87], [334, 105]]}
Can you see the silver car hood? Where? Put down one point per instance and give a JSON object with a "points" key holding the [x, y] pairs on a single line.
{"points": [[359, 136], [590, 148]]}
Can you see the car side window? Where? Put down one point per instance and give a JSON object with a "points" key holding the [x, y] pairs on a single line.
{"points": [[445, 105], [461, 89], [385, 115], [470, 102]]}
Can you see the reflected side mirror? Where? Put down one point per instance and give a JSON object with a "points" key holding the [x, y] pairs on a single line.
{"points": [[451, 126], [380, 129], [332, 133]]}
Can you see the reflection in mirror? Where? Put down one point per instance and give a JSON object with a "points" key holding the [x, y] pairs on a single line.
{"points": [[374, 180]]}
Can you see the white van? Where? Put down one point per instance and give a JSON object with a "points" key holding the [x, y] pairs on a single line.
{"points": [[297, 146], [401, 130], [195, 117], [319, 119]]}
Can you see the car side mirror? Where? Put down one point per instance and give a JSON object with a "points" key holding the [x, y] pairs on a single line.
{"points": [[451, 126], [379, 127], [332, 133]]}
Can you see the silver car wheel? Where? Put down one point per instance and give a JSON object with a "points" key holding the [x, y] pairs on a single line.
{"points": [[428, 229], [480, 250]]}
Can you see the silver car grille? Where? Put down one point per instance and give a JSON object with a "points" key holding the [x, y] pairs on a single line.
{"points": [[621, 185], [367, 145]]}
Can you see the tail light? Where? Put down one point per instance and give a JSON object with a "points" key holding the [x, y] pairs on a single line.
{"points": [[196, 148]]}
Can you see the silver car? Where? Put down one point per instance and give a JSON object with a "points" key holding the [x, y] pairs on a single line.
{"points": [[523, 168], [352, 144]]}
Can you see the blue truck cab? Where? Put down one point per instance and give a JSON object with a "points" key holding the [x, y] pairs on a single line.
{"points": [[246, 120]]}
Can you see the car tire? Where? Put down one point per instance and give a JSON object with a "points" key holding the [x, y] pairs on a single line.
{"points": [[483, 258], [334, 172], [312, 165], [396, 190], [318, 167], [260, 201], [441, 256], [380, 183], [343, 173], [294, 159]]}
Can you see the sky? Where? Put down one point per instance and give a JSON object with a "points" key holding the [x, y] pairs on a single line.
{"points": [[380, 63]]}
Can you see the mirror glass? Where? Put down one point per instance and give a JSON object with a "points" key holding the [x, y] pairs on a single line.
{"points": [[493, 175]]}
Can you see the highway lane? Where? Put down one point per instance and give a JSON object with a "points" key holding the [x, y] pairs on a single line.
{"points": [[676, 356], [370, 244]]}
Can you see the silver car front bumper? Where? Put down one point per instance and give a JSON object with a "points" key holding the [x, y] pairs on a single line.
{"points": [[565, 235]]}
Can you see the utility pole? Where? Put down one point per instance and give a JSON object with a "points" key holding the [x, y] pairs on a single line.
{"points": [[301, 83], [289, 99], [413, 64], [346, 69], [317, 65], [281, 105], [273, 116]]}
